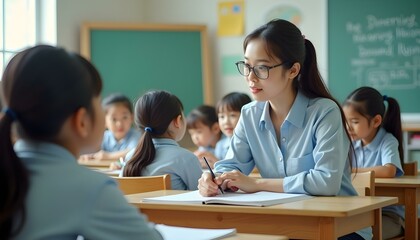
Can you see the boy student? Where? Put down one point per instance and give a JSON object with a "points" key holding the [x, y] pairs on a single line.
{"points": [[120, 137], [203, 126]]}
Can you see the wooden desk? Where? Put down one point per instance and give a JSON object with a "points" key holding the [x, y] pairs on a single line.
{"points": [[96, 163], [407, 189], [107, 171], [315, 218], [247, 236]]}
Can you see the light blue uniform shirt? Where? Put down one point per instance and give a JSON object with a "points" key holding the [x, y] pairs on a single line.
{"points": [[222, 147], [311, 155], [382, 150], [170, 158], [66, 199], [110, 144]]}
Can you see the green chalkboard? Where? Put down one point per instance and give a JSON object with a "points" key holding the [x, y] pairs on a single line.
{"points": [[375, 43], [133, 59]]}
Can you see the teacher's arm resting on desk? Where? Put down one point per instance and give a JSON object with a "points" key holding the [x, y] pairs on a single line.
{"points": [[236, 180]]}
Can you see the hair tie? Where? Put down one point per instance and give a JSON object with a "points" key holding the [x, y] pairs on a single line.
{"points": [[10, 113], [148, 129], [385, 98]]}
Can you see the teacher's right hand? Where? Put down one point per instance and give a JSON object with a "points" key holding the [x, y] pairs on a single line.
{"points": [[207, 186]]}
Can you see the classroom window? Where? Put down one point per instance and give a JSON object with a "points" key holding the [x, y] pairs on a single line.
{"points": [[17, 28]]}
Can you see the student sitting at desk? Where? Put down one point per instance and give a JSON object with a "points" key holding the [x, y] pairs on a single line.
{"points": [[228, 113], [160, 114], [45, 194], [120, 137], [203, 126], [294, 133], [377, 140]]}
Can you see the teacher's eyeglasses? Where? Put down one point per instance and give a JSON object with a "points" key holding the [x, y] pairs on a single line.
{"points": [[261, 71]]}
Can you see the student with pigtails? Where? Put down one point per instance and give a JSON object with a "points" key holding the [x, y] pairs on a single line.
{"points": [[377, 139], [160, 115]]}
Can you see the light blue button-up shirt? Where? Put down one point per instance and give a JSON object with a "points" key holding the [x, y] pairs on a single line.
{"points": [[170, 158], [110, 144], [381, 151], [311, 154], [66, 199]]}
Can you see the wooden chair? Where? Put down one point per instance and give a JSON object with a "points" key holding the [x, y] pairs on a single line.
{"points": [[410, 168], [364, 183], [131, 185]]}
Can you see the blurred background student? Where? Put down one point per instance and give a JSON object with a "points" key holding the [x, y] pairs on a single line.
{"points": [[203, 127], [160, 115], [228, 113], [45, 194], [119, 137]]}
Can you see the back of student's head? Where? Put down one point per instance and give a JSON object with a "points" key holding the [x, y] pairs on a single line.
{"points": [[116, 99], [42, 87], [154, 111], [203, 114], [369, 102], [233, 102]]}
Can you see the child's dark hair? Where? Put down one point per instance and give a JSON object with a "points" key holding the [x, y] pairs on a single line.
{"points": [[204, 114], [285, 41], [42, 87], [117, 98], [233, 102], [369, 102], [154, 111]]}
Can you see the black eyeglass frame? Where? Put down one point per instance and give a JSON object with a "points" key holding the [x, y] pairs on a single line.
{"points": [[252, 69]]}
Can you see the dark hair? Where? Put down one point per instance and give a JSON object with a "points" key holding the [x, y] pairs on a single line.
{"points": [[369, 102], [285, 41], [155, 110], [1, 98], [42, 87], [117, 98], [204, 114], [233, 102]]}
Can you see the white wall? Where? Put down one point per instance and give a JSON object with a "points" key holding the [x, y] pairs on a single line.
{"points": [[70, 15]]}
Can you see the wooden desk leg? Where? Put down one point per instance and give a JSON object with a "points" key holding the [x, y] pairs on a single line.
{"points": [[411, 231], [377, 227]]}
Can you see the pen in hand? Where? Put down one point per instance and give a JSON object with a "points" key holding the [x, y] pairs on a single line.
{"points": [[212, 174]]}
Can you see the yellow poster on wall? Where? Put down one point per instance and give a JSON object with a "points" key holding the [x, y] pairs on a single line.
{"points": [[231, 18]]}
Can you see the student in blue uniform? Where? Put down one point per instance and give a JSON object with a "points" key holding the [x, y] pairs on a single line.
{"points": [[54, 98], [377, 140], [203, 127], [295, 132], [160, 115], [119, 137], [228, 113]]}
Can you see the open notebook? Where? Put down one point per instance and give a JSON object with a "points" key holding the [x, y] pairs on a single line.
{"points": [[183, 233], [231, 198]]}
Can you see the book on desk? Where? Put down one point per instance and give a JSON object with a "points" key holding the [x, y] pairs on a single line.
{"points": [[174, 232], [260, 199]]}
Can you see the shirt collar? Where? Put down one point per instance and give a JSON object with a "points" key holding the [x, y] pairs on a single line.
{"points": [[45, 150], [296, 113], [372, 146], [164, 141]]}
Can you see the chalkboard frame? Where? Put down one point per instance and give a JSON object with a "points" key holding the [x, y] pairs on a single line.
{"points": [[207, 86]]}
